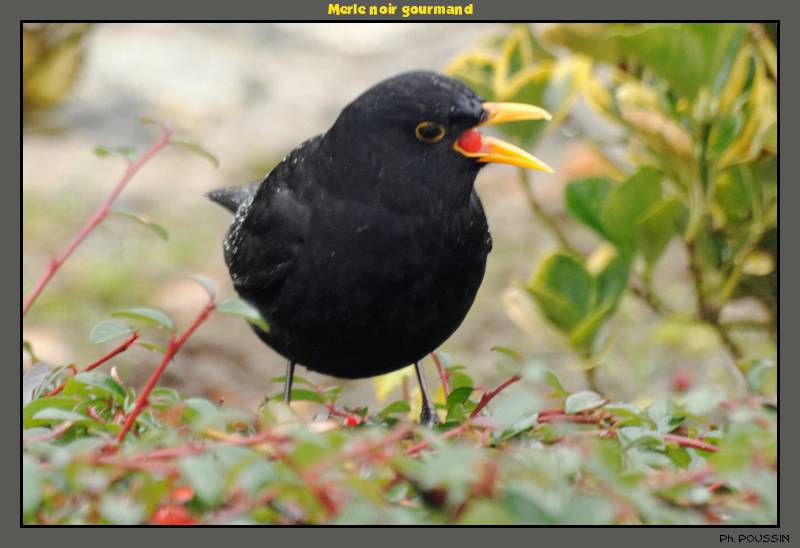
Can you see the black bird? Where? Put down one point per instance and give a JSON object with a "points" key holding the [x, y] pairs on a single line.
{"points": [[365, 246]]}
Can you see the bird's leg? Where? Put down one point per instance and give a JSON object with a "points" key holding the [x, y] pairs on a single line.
{"points": [[287, 384], [428, 416]]}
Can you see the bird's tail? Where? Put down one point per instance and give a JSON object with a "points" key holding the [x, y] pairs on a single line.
{"points": [[232, 197]]}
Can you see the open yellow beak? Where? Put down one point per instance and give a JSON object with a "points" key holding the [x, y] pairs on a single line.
{"points": [[498, 151]]}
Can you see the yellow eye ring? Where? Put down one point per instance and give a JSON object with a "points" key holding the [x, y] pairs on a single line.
{"points": [[429, 132]]}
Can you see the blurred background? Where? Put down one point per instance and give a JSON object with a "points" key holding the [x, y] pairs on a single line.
{"points": [[249, 93]]}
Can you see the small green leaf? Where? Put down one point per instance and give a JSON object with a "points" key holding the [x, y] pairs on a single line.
{"points": [[511, 353], [564, 290], [147, 315], [665, 415], [108, 330], [630, 436], [623, 410], [205, 476], [66, 403], [197, 149], [152, 346], [296, 379], [759, 374], [97, 380], [157, 229], [627, 203], [28, 347], [701, 401], [53, 415], [121, 510], [237, 307], [399, 406], [458, 396], [31, 485], [678, 455], [552, 381], [585, 200], [301, 394], [583, 401], [126, 152], [656, 228], [206, 283]]}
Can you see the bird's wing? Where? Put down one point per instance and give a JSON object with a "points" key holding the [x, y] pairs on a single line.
{"points": [[476, 205], [269, 228]]}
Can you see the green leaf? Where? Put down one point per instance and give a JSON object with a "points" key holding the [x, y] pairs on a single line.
{"points": [[583, 335], [28, 348], [108, 330], [585, 200], [398, 406], [630, 436], [126, 152], [583, 401], [458, 396], [511, 353], [612, 282], [57, 402], [759, 374], [301, 394], [564, 290], [689, 56], [31, 485], [678, 455], [627, 203], [701, 401], [121, 510], [202, 414], [53, 416], [552, 381], [625, 411], [296, 379], [656, 228], [97, 380], [206, 283], [157, 229], [152, 346], [205, 476], [237, 307], [666, 415], [197, 149], [33, 380], [147, 315]]}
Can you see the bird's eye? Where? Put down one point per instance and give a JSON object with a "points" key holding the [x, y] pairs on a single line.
{"points": [[429, 132]]}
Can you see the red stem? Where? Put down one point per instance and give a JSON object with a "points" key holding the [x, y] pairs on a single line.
{"points": [[118, 350], [172, 349], [442, 374], [689, 442], [581, 419], [488, 396], [96, 218]]}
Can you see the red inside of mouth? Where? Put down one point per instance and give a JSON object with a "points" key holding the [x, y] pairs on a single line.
{"points": [[470, 141]]}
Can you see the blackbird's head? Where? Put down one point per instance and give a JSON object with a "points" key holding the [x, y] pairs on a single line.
{"points": [[426, 124]]}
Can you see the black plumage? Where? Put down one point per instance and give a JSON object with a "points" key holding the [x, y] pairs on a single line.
{"points": [[364, 248]]}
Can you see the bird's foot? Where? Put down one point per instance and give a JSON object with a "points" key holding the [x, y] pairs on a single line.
{"points": [[428, 417]]}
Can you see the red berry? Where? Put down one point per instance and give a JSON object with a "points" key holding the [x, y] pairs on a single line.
{"points": [[171, 514], [183, 494], [352, 420], [470, 141], [681, 380]]}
